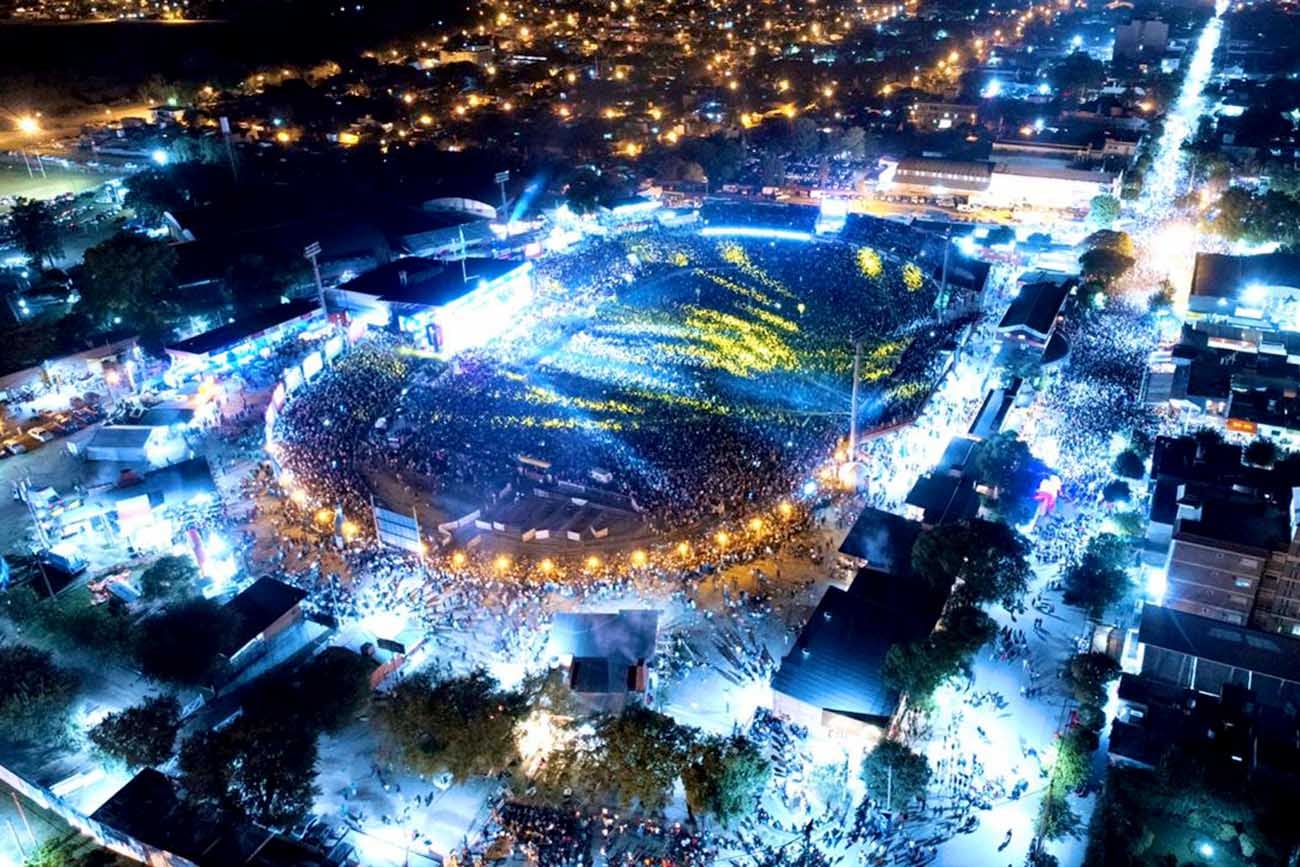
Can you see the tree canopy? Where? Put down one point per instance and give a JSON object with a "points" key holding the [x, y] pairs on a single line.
{"points": [[892, 771], [170, 576], [182, 644], [465, 725], [129, 278], [641, 755], [1099, 579], [257, 766], [724, 777], [1129, 465], [1004, 463], [989, 558], [140, 736], [36, 232], [35, 695]]}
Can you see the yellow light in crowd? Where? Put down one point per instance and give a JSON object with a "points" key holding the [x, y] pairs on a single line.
{"points": [[282, 137], [299, 496], [756, 525], [408, 98], [474, 100], [323, 516], [547, 566], [639, 558], [349, 529], [502, 562], [656, 114], [458, 559], [785, 509], [783, 85], [789, 110], [683, 549], [426, 119], [723, 538], [593, 562]]}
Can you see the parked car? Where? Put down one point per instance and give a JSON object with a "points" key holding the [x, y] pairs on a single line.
{"points": [[14, 447], [41, 434]]}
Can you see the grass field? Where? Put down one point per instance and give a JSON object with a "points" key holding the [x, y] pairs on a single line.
{"points": [[14, 181]]}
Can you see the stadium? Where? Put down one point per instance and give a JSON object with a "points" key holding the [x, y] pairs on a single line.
{"points": [[658, 385]]}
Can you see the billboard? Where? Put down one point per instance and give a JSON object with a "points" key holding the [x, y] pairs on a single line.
{"points": [[397, 529]]}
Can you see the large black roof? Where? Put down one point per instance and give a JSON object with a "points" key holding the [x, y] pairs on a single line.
{"points": [[837, 662], [258, 606], [1037, 306], [232, 334], [1239, 646], [426, 282], [1219, 275], [884, 540]]}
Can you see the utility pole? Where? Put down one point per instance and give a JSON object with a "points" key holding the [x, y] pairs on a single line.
{"points": [[230, 150], [501, 178], [889, 788], [311, 254], [25, 491], [464, 272]]}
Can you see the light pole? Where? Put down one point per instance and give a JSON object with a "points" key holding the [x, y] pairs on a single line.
{"points": [[30, 127], [311, 253]]}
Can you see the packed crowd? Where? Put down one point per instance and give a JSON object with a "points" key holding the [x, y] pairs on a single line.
{"points": [[694, 377]]}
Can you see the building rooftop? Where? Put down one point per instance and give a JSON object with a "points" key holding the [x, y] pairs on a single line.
{"points": [[257, 607], [1206, 638], [837, 662], [1219, 275], [882, 539], [119, 437], [605, 646], [944, 498], [1036, 307], [425, 282], [232, 334], [149, 809]]}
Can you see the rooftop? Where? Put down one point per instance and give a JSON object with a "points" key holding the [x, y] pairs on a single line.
{"points": [[258, 606], [414, 280], [1219, 275], [882, 539], [837, 662], [1036, 307], [232, 334], [1206, 638]]}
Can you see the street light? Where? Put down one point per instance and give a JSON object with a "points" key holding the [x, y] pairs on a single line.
{"points": [[28, 125]]}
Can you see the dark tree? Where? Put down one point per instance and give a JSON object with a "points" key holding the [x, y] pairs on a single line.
{"points": [[1004, 463], [641, 755], [35, 695], [1105, 265], [1100, 578], [1116, 491], [465, 725], [140, 736], [1261, 453], [1088, 674], [724, 777], [893, 771], [1130, 465], [129, 278], [260, 766], [1077, 73], [988, 557], [169, 577], [336, 687], [919, 668], [36, 232], [183, 643]]}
